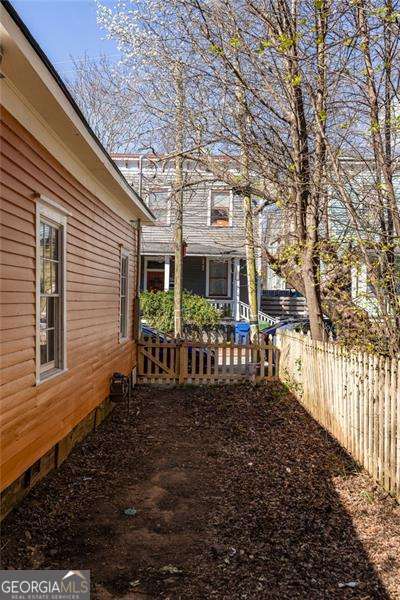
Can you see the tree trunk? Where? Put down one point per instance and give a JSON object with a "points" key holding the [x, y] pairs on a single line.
{"points": [[178, 199], [178, 272], [310, 272], [318, 197], [251, 268], [248, 219], [312, 296], [307, 215]]}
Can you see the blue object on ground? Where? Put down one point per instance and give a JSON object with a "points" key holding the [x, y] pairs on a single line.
{"points": [[242, 333]]}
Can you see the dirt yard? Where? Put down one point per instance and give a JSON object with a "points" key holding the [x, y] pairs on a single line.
{"points": [[227, 493]]}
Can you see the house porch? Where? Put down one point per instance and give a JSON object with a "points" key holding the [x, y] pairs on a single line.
{"points": [[220, 279]]}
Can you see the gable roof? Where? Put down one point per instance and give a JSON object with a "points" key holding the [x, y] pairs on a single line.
{"points": [[29, 71]]}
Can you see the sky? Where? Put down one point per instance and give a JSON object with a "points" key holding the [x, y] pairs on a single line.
{"points": [[64, 28]]}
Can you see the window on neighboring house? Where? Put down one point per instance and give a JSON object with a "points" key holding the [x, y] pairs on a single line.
{"points": [[218, 278], [51, 292], [159, 205], [220, 209], [123, 326]]}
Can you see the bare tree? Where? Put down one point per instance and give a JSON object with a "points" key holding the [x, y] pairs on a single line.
{"points": [[280, 143], [300, 67], [101, 90], [315, 136], [365, 184]]}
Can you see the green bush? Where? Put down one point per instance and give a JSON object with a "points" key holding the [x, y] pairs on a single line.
{"points": [[158, 310]]}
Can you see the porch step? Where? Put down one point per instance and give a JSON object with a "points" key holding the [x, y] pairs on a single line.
{"points": [[284, 306]]}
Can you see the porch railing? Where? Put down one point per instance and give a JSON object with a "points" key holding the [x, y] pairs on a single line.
{"points": [[227, 309], [244, 313], [224, 306]]}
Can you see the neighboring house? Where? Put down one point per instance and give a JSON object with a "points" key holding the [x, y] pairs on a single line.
{"points": [[278, 298], [69, 265], [272, 233], [214, 265], [361, 185]]}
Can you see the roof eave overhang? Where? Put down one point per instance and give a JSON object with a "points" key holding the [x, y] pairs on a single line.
{"points": [[26, 66]]}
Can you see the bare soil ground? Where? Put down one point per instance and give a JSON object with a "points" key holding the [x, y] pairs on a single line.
{"points": [[239, 495]]}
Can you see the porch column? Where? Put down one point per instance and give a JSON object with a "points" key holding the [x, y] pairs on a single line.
{"points": [[259, 278], [236, 288], [167, 265]]}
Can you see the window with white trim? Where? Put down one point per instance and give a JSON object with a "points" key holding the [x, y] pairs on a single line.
{"points": [[159, 202], [123, 294], [218, 278], [220, 208], [51, 329]]}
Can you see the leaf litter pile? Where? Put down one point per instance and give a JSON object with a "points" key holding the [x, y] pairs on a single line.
{"points": [[213, 492]]}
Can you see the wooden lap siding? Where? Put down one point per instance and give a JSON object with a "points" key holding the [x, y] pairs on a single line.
{"points": [[195, 221], [34, 418]]}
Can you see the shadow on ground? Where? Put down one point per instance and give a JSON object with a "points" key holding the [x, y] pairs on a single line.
{"points": [[236, 493]]}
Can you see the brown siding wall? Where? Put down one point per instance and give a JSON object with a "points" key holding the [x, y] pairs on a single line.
{"points": [[34, 418]]}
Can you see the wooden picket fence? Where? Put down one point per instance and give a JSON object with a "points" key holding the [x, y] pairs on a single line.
{"points": [[355, 396], [173, 361]]}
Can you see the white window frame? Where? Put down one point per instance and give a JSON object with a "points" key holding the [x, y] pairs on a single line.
{"points": [[147, 269], [229, 287], [210, 196], [163, 189], [50, 211], [124, 254]]}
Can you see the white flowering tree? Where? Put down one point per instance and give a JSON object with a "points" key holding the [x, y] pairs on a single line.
{"points": [[155, 63]]}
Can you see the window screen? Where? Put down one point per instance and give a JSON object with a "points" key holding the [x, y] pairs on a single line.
{"points": [[50, 330], [124, 297], [220, 209]]}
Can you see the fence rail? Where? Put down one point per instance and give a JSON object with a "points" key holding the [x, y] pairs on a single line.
{"points": [[181, 361], [355, 396], [221, 333]]}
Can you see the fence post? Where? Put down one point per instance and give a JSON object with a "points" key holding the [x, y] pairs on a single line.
{"points": [[177, 351], [182, 362], [140, 363]]}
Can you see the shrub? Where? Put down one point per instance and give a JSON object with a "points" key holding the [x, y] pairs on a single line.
{"points": [[158, 310]]}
